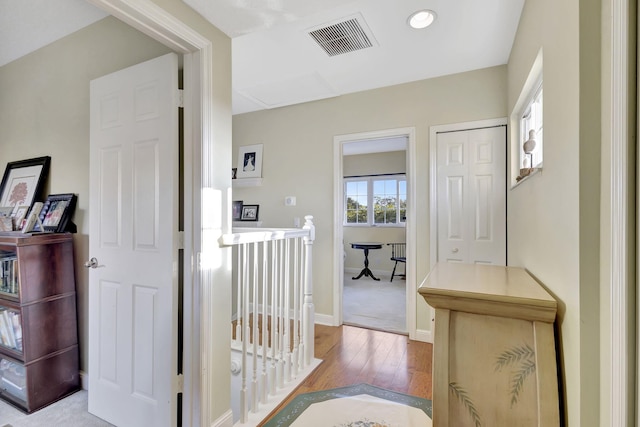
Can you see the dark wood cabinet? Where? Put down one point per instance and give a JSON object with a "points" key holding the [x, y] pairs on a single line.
{"points": [[38, 320]]}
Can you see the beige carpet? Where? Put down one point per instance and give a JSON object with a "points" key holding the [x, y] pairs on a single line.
{"points": [[373, 304], [68, 412]]}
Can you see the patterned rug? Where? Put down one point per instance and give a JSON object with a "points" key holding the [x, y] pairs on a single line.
{"points": [[361, 405]]}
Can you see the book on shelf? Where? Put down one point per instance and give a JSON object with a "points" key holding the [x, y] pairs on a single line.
{"points": [[17, 328], [9, 282], [10, 329]]}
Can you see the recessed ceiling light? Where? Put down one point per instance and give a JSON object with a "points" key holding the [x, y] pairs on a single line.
{"points": [[422, 19]]}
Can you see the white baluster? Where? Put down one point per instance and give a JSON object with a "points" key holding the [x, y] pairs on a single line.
{"points": [[265, 321], [274, 318], [244, 401], [308, 315], [296, 306], [238, 295], [256, 331]]}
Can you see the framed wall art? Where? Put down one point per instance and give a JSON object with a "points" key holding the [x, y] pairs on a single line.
{"points": [[249, 213], [250, 161], [23, 182]]}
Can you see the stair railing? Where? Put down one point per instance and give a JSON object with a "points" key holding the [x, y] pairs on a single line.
{"points": [[273, 325]]}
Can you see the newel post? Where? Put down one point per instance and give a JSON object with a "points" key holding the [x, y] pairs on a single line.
{"points": [[308, 310]]}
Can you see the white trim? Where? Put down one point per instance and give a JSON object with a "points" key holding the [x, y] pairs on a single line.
{"points": [[323, 319], [433, 183], [620, 399], [84, 380], [149, 18], [533, 83], [226, 420], [410, 227], [424, 336]]}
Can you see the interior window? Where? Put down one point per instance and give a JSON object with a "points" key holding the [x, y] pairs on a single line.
{"points": [[376, 200], [532, 121]]}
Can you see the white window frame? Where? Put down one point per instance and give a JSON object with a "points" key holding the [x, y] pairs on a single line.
{"points": [[531, 118], [370, 179], [532, 90]]}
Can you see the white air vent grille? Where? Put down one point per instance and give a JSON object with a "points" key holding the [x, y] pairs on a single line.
{"points": [[343, 37]]}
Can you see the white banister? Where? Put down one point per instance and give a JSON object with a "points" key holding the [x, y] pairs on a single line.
{"points": [[274, 316]]}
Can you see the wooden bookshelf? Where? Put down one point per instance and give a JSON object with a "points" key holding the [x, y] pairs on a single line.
{"points": [[38, 321]]}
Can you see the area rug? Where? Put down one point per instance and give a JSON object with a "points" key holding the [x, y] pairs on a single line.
{"points": [[361, 405]]}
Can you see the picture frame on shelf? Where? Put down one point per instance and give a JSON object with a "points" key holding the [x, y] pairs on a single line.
{"points": [[19, 215], [249, 212], [236, 211], [23, 182], [250, 161], [57, 211], [6, 211]]}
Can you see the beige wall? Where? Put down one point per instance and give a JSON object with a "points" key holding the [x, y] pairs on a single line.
{"points": [[553, 217], [298, 154], [44, 111]]}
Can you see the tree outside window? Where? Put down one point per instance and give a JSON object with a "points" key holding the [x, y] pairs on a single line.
{"points": [[376, 200]]}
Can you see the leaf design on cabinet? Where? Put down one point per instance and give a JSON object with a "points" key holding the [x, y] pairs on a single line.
{"points": [[463, 396], [524, 359]]}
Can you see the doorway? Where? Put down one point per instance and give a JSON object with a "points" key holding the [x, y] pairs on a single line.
{"points": [[370, 163]]}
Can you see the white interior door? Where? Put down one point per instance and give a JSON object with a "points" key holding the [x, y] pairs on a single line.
{"points": [[471, 196], [133, 237]]}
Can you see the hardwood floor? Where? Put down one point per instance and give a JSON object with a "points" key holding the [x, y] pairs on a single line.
{"points": [[354, 355]]}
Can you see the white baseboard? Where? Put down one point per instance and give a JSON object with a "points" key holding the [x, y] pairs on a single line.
{"points": [[226, 420], [324, 319], [424, 335], [84, 380]]}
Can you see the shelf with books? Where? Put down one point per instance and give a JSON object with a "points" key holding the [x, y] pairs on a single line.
{"points": [[9, 275], [10, 329], [38, 321]]}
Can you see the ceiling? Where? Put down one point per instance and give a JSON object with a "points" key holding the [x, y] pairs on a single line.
{"points": [[277, 63]]}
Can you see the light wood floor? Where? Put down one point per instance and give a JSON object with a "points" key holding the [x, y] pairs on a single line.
{"points": [[354, 355]]}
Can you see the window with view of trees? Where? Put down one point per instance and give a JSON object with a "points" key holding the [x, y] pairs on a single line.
{"points": [[376, 200]]}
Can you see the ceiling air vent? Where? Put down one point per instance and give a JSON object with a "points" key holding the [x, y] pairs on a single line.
{"points": [[342, 37]]}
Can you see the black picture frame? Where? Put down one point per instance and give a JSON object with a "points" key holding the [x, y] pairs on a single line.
{"points": [[249, 212], [57, 212], [23, 182], [236, 210]]}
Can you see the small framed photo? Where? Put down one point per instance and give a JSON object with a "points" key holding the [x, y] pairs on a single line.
{"points": [[19, 216], [250, 161], [6, 211], [57, 211], [249, 213], [237, 210]]}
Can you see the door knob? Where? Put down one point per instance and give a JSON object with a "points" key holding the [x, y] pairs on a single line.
{"points": [[92, 263]]}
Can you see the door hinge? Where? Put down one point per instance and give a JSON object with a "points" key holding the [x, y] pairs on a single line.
{"points": [[180, 239], [180, 98], [180, 383]]}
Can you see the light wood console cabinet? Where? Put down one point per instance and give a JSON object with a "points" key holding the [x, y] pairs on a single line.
{"points": [[494, 357], [38, 321]]}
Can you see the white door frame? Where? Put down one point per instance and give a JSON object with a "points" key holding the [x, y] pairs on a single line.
{"points": [[410, 230], [433, 175], [618, 265], [149, 18]]}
